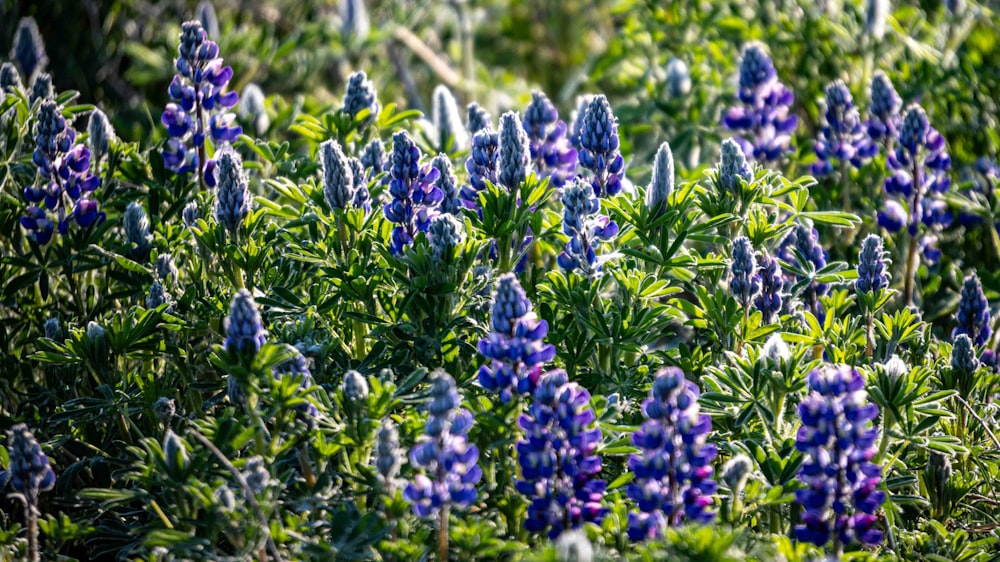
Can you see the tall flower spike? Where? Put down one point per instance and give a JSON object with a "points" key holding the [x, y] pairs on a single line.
{"points": [[450, 134], [514, 161], [354, 387], [559, 466], [232, 204], [576, 119], [28, 50], [599, 147], [842, 137], [552, 155], [662, 184], [360, 95], [516, 345], [414, 195], [244, 330], [362, 197], [744, 284], [673, 470], [448, 184], [805, 241], [136, 227], [763, 118], [449, 463], [373, 158], [30, 471], [41, 88], [10, 79], [963, 356], [444, 234], [733, 166], [883, 114], [872, 275], [585, 227], [769, 300], [387, 459], [254, 109], [481, 165], [478, 119], [199, 104], [837, 438], [100, 133], [973, 315], [338, 178]]}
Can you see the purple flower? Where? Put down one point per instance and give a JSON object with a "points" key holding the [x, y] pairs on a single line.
{"points": [[585, 227], [478, 119], [551, 152], [842, 137], [29, 470], [744, 283], [514, 161], [414, 195], [360, 95], [769, 300], [244, 330], [482, 166], [803, 243], [763, 118], [837, 437], [557, 458], [919, 170], [599, 151], [298, 366], [28, 49], [199, 103], [973, 315], [232, 201], [516, 346], [673, 471], [63, 194], [883, 114], [872, 275], [449, 461], [338, 176]]}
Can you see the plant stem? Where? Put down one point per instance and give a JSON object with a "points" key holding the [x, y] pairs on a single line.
{"points": [[911, 257], [31, 519], [443, 533]]}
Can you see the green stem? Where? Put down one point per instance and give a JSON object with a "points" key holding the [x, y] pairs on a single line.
{"points": [[443, 534]]}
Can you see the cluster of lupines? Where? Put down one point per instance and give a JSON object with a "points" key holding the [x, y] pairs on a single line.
{"points": [[448, 460], [414, 195], [764, 119], [598, 148], [769, 301], [745, 281], [515, 346], [200, 104], [66, 184], [557, 459], [838, 441], [482, 165], [673, 470], [973, 315], [585, 227], [842, 137], [551, 152], [883, 113]]}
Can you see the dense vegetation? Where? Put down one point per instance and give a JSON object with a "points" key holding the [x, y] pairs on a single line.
{"points": [[500, 280]]}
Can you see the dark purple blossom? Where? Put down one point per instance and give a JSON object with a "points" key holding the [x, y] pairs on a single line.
{"points": [[883, 114], [585, 227], [763, 118], [872, 275], [244, 330], [919, 169], [744, 283], [837, 437], [598, 150], [414, 195], [973, 315], [842, 138], [478, 119], [360, 95], [514, 160], [557, 458], [673, 470], [769, 300], [28, 49], [482, 166], [29, 471], [551, 152]]}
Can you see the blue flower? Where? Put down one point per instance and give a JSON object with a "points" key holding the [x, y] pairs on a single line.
{"points": [[478, 119], [444, 234], [136, 227], [662, 184], [837, 437], [872, 275], [963, 357], [514, 160], [585, 228], [360, 95], [745, 283], [973, 315], [100, 133], [41, 88], [673, 470], [414, 195], [769, 300], [599, 147], [482, 166], [199, 103], [373, 159], [516, 345], [298, 366], [232, 202], [842, 137], [764, 117], [883, 114], [338, 177], [28, 49], [450, 134], [552, 154], [244, 330], [29, 471], [448, 461], [10, 78], [387, 458], [362, 197], [733, 166], [559, 466], [448, 184]]}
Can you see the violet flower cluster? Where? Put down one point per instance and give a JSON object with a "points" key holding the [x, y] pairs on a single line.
{"points": [[482, 166], [842, 137], [585, 227], [673, 470], [764, 119], [973, 315], [883, 112], [598, 150], [745, 282], [360, 95], [66, 184], [557, 458], [514, 160], [551, 152], [769, 299], [872, 275], [30, 471], [199, 106], [414, 195], [804, 241], [837, 437], [515, 347], [449, 462], [244, 330]]}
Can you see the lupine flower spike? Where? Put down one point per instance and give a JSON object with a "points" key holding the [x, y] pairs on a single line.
{"points": [[883, 113], [764, 118], [744, 283], [769, 300], [338, 177], [552, 155], [599, 147], [232, 203], [414, 196], [478, 119], [973, 315], [559, 466], [360, 95], [29, 474], [482, 166], [662, 184], [841, 492], [199, 105], [448, 184], [514, 160], [805, 241], [673, 471], [515, 346], [28, 50], [872, 279], [842, 138], [449, 133], [244, 330], [585, 227]]}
